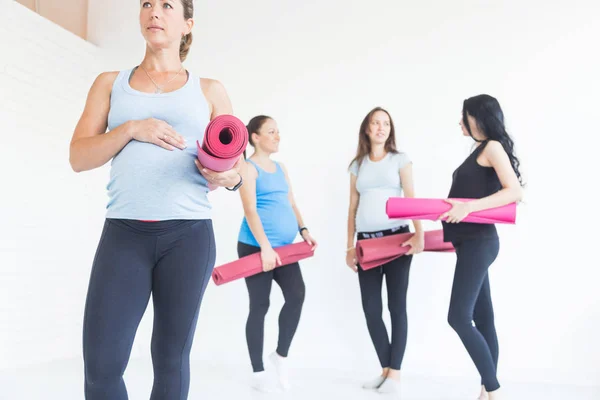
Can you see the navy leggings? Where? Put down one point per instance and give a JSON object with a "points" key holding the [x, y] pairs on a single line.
{"points": [[173, 261], [396, 272], [471, 303], [289, 279]]}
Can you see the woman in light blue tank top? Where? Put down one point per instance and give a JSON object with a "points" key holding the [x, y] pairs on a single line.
{"points": [[158, 236], [271, 220]]}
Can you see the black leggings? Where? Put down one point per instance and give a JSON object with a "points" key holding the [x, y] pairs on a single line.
{"points": [[173, 261], [289, 279], [396, 273], [471, 302]]}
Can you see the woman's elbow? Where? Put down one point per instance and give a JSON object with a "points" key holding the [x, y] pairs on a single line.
{"points": [[74, 159], [517, 193], [75, 163]]}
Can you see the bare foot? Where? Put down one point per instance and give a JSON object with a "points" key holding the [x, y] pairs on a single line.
{"points": [[495, 395], [483, 395], [393, 374]]}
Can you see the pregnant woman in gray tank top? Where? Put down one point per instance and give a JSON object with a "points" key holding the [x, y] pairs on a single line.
{"points": [[158, 235], [380, 171]]}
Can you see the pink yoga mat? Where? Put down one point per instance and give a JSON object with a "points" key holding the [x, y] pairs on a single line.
{"points": [[225, 139], [431, 209], [374, 252], [252, 264]]}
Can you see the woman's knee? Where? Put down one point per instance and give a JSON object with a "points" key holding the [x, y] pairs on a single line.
{"points": [[397, 305], [299, 293], [485, 319], [372, 308], [103, 368], [294, 297], [168, 357], [259, 308], [458, 319]]}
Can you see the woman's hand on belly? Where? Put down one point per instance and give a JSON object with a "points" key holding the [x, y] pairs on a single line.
{"points": [[157, 132]]}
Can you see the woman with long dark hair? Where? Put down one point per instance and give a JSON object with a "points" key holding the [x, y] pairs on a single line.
{"points": [[490, 175], [380, 171]]}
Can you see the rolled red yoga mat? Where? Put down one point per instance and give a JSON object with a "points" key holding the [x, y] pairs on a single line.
{"points": [[431, 209], [252, 264], [225, 139], [374, 252]]}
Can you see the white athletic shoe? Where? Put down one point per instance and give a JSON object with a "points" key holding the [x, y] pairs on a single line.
{"points": [[261, 382], [390, 386], [373, 383], [281, 369]]}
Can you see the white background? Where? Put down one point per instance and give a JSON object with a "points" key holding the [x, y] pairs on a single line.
{"points": [[318, 68]]}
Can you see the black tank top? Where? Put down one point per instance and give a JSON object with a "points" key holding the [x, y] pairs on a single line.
{"points": [[472, 181]]}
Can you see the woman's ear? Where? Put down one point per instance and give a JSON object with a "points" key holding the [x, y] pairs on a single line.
{"points": [[190, 24]]}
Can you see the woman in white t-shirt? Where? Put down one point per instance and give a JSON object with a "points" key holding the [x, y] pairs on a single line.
{"points": [[379, 172]]}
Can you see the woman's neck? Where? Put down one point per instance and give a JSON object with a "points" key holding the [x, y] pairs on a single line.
{"points": [[377, 152], [261, 156], [161, 61]]}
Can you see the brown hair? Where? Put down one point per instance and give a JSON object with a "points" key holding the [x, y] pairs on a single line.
{"points": [[364, 143], [254, 126], [186, 41]]}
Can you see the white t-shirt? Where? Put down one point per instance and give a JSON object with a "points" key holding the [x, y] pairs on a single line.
{"points": [[376, 182]]}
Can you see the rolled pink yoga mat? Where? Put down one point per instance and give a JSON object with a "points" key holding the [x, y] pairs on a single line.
{"points": [[374, 252], [252, 264], [431, 209], [225, 139]]}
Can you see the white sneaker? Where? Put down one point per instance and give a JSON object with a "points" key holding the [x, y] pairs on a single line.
{"points": [[389, 386], [261, 382], [281, 369], [373, 383]]}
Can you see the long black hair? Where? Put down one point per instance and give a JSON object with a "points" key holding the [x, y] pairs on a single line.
{"points": [[489, 117], [254, 126]]}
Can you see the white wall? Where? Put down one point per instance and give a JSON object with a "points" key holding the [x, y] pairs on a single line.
{"points": [[50, 216], [318, 68]]}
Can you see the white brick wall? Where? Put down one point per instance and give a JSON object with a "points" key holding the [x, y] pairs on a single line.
{"points": [[46, 245]]}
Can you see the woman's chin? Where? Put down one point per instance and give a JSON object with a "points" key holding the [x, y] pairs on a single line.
{"points": [[156, 44]]}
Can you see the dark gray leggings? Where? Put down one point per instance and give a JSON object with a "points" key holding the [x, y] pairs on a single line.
{"points": [[471, 302], [396, 272], [173, 261], [289, 278]]}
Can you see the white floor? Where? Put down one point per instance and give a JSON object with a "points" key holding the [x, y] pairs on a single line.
{"points": [[62, 381]]}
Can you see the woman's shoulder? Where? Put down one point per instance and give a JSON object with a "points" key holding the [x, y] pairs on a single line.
{"points": [[102, 86], [281, 166], [108, 75], [400, 157], [106, 78], [212, 87], [251, 169], [216, 96], [399, 153], [210, 83], [492, 145]]}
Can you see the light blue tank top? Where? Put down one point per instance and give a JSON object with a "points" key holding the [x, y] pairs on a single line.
{"points": [[274, 209], [148, 182]]}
